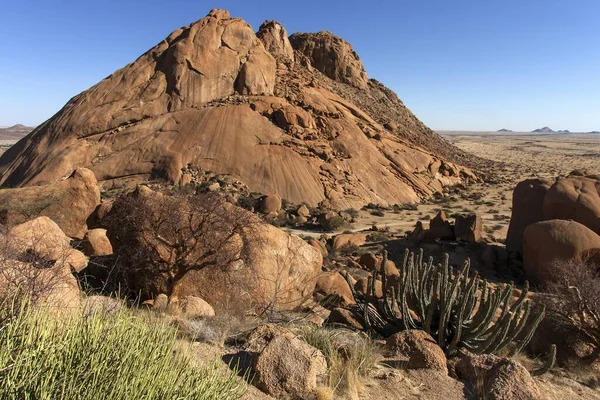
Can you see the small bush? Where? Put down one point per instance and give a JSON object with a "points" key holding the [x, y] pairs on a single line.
{"points": [[118, 356], [377, 213], [351, 356]]}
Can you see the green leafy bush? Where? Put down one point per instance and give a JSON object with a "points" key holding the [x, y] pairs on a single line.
{"points": [[124, 355]]}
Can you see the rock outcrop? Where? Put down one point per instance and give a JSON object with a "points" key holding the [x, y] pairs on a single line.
{"points": [[211, 95], [549, 245], [68, 203]]}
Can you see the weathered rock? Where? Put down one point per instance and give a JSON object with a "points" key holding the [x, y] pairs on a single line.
{"points": [[195, 307], [361, 286], [509, 380], [270, 204], [320, 246], [45, 238], [333, 56], [69, 203], [440, 228], [527, 208], [260, 337], [334, 283], [303, 211], [160, 302], [289, 368], [468, 228], [345, 317], [576, 198], [275, 38], [419, 348], [96, 243], [547, 245], [206, 96], [373, 263], [349, 240]]}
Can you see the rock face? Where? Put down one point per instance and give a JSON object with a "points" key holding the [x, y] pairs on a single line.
{"points": [[275, 39], [333, 56], [68, 203], [211, 95], [547, 243]]}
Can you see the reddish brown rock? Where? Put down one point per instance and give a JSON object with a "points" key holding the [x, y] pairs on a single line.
{"points": [[334, 283], [547, 243], [96, 243], [68, 203], [468, 228], [419, 348], [275, 38], [346, 240], [270, 204], [527, 208]]}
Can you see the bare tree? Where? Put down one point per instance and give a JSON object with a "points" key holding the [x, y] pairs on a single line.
{"points": [[161, 237]]}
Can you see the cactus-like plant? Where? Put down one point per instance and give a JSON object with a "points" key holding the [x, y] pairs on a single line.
{"points": [[457, 310], [549, 364]]}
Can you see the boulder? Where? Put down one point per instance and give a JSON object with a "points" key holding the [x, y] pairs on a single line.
{"points": [[334, 283], [333, 56], [260, 337], [349, 240], [576, 198], [419, 348], [548, 245], [468, 228], [270, 204], [275, 39], [361, 286], [47, 241], [303, 211], [195, 307], [160, 303], [346, 318], [440, 228], [527, 208], [69, 203], [289, 368], [320, 246], [373, 263], [96, 243]]}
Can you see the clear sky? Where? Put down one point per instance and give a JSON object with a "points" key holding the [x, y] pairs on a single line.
{"points": [[457, 64]]}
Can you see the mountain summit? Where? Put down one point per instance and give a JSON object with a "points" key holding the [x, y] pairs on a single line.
{"points": [[296, 116]]}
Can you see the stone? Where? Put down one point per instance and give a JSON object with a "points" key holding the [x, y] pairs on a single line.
{"points": [[96, 243], [361, 286], [69, 203], [527, 208], [440, 228], [303, 211], [195, 307], [349, 240], [509, 380], [574, 198], [270, 204], [320, 246], [468, 228], [289, 368], [548, 246], [160, 303], [333, 56], [345, 317], [334, 283], [419, 348], [372, 262], [48, 242], [275, 39]]}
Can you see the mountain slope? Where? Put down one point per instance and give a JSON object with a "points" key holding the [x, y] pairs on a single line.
{"points": [[297, 118]]}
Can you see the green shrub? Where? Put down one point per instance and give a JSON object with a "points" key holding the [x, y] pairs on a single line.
{"points": [[121, 356]]}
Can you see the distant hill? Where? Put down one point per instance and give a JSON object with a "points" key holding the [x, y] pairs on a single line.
{"points": [[594, 132], [504, 130], [15, 132], [564, 131], [543, 130]]}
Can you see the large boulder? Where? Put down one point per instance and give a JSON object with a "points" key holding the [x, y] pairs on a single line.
{"points": [[289, 368], [468, 228], [333, 56], [527, 208], [334, 283], [275, 39], [418, 348], [69, 203], [234, 260], [43, 239], [348, 240], [96, 243], [548, 245], [576, 198]]}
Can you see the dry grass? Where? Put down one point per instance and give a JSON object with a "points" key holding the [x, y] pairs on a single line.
{"points": [[351, 357]]}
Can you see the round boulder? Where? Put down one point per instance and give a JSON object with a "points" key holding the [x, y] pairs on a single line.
{"points": [[419, 348], [547, 244]]}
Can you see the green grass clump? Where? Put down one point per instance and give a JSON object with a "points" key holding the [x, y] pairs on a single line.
{"points": [[124, 355]]}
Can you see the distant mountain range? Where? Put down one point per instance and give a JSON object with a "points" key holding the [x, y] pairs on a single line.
{"points": [[504, 130], [544, 130], [14, 132]]}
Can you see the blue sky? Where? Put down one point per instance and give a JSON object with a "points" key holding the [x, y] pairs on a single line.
{"points": [[457, 64]]}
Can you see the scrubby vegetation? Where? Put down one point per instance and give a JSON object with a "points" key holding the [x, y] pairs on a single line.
{"points": [[118, 356], [351, 356], [455, 309]]}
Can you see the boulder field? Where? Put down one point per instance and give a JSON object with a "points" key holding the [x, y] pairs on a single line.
{"points": [[297, 117]]}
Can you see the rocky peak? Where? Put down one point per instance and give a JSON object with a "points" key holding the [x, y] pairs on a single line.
{"points": [[333, 56], [219, 14], [275, 38]]}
